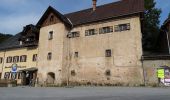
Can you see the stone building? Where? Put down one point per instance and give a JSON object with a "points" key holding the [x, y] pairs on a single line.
{"points": [[99, 45]]}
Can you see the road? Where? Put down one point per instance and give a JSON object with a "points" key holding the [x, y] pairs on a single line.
{"points": [[85, 93]]}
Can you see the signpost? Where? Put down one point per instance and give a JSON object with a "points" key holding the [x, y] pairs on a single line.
{"points": [[14, 68], [14, 71]]}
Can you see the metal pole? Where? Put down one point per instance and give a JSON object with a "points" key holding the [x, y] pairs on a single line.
{"points": [[69, 60], [3, 64]]}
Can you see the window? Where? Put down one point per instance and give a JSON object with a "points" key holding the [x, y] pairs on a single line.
{"points": [[76, 54], [6, 75], [90, 32], [122, 27], [9, 59], [49, 56], [73, 73], [13, 76], [108, 53], [50, 35], [74, 34], [108, 72], [1, 60], [23, 58], [104, 30], [16, 59], [51, 18], [34, 57]]}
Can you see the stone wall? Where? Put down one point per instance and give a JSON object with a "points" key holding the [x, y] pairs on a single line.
{"points": [[150, 70], [54, 46], [91, 65]]}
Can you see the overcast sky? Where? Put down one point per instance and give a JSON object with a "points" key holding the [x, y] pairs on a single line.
{"points": [[14, 14]]}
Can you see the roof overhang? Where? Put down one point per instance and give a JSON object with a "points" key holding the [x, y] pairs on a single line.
{"points": [[29, 69]]}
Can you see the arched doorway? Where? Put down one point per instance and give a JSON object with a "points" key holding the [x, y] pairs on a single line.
{"points": [[50, 78]]}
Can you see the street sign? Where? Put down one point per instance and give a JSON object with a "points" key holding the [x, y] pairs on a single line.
{"points": [[14, 68]]}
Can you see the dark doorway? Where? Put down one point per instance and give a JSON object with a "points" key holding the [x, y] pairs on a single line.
{"points": [[50, 78], [29, 77]]}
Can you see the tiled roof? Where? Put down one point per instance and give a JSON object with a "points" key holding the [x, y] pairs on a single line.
{"points": [[166, 21], [11, 42], [111, 10]]}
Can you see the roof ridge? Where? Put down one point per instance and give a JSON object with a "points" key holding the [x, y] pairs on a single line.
{"points": [[92, 8]]}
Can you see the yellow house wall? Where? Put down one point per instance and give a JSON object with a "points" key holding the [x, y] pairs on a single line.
{"points": [[1, 64], [19, 52]]}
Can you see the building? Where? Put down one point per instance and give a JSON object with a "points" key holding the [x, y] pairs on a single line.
{"points": [[99, 45], [19, 52], [159, 59], [165, 30]]}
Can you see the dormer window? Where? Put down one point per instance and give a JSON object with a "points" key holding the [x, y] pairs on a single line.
{"points": [[20, 42], [50, 35], [27, 39]]}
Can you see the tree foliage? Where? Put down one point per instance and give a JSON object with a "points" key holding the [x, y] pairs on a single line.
{"points": [[151, 25]]}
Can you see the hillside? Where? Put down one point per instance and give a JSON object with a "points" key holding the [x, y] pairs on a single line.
{"points": [[3, 37]]}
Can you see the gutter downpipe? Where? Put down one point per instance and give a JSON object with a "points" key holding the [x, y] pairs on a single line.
{"points": [[69, 54], [69, 61], [3, 64]]}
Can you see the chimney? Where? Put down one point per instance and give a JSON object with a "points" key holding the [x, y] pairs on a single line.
{"points": [[94, 4]]}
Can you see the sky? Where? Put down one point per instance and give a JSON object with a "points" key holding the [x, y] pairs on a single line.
{"points": [[15, 14]]}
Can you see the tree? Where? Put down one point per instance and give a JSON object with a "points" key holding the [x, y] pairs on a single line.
{"points": [[151, 25]]}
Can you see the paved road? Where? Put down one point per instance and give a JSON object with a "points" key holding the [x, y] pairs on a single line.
{"points": [[85, 93]]}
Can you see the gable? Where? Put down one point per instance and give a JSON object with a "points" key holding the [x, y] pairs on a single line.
{"points": [[52, 16], [50, 20]]}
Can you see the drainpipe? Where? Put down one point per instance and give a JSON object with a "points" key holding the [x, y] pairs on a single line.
{"points": [[69, 61], [3, 64]]}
